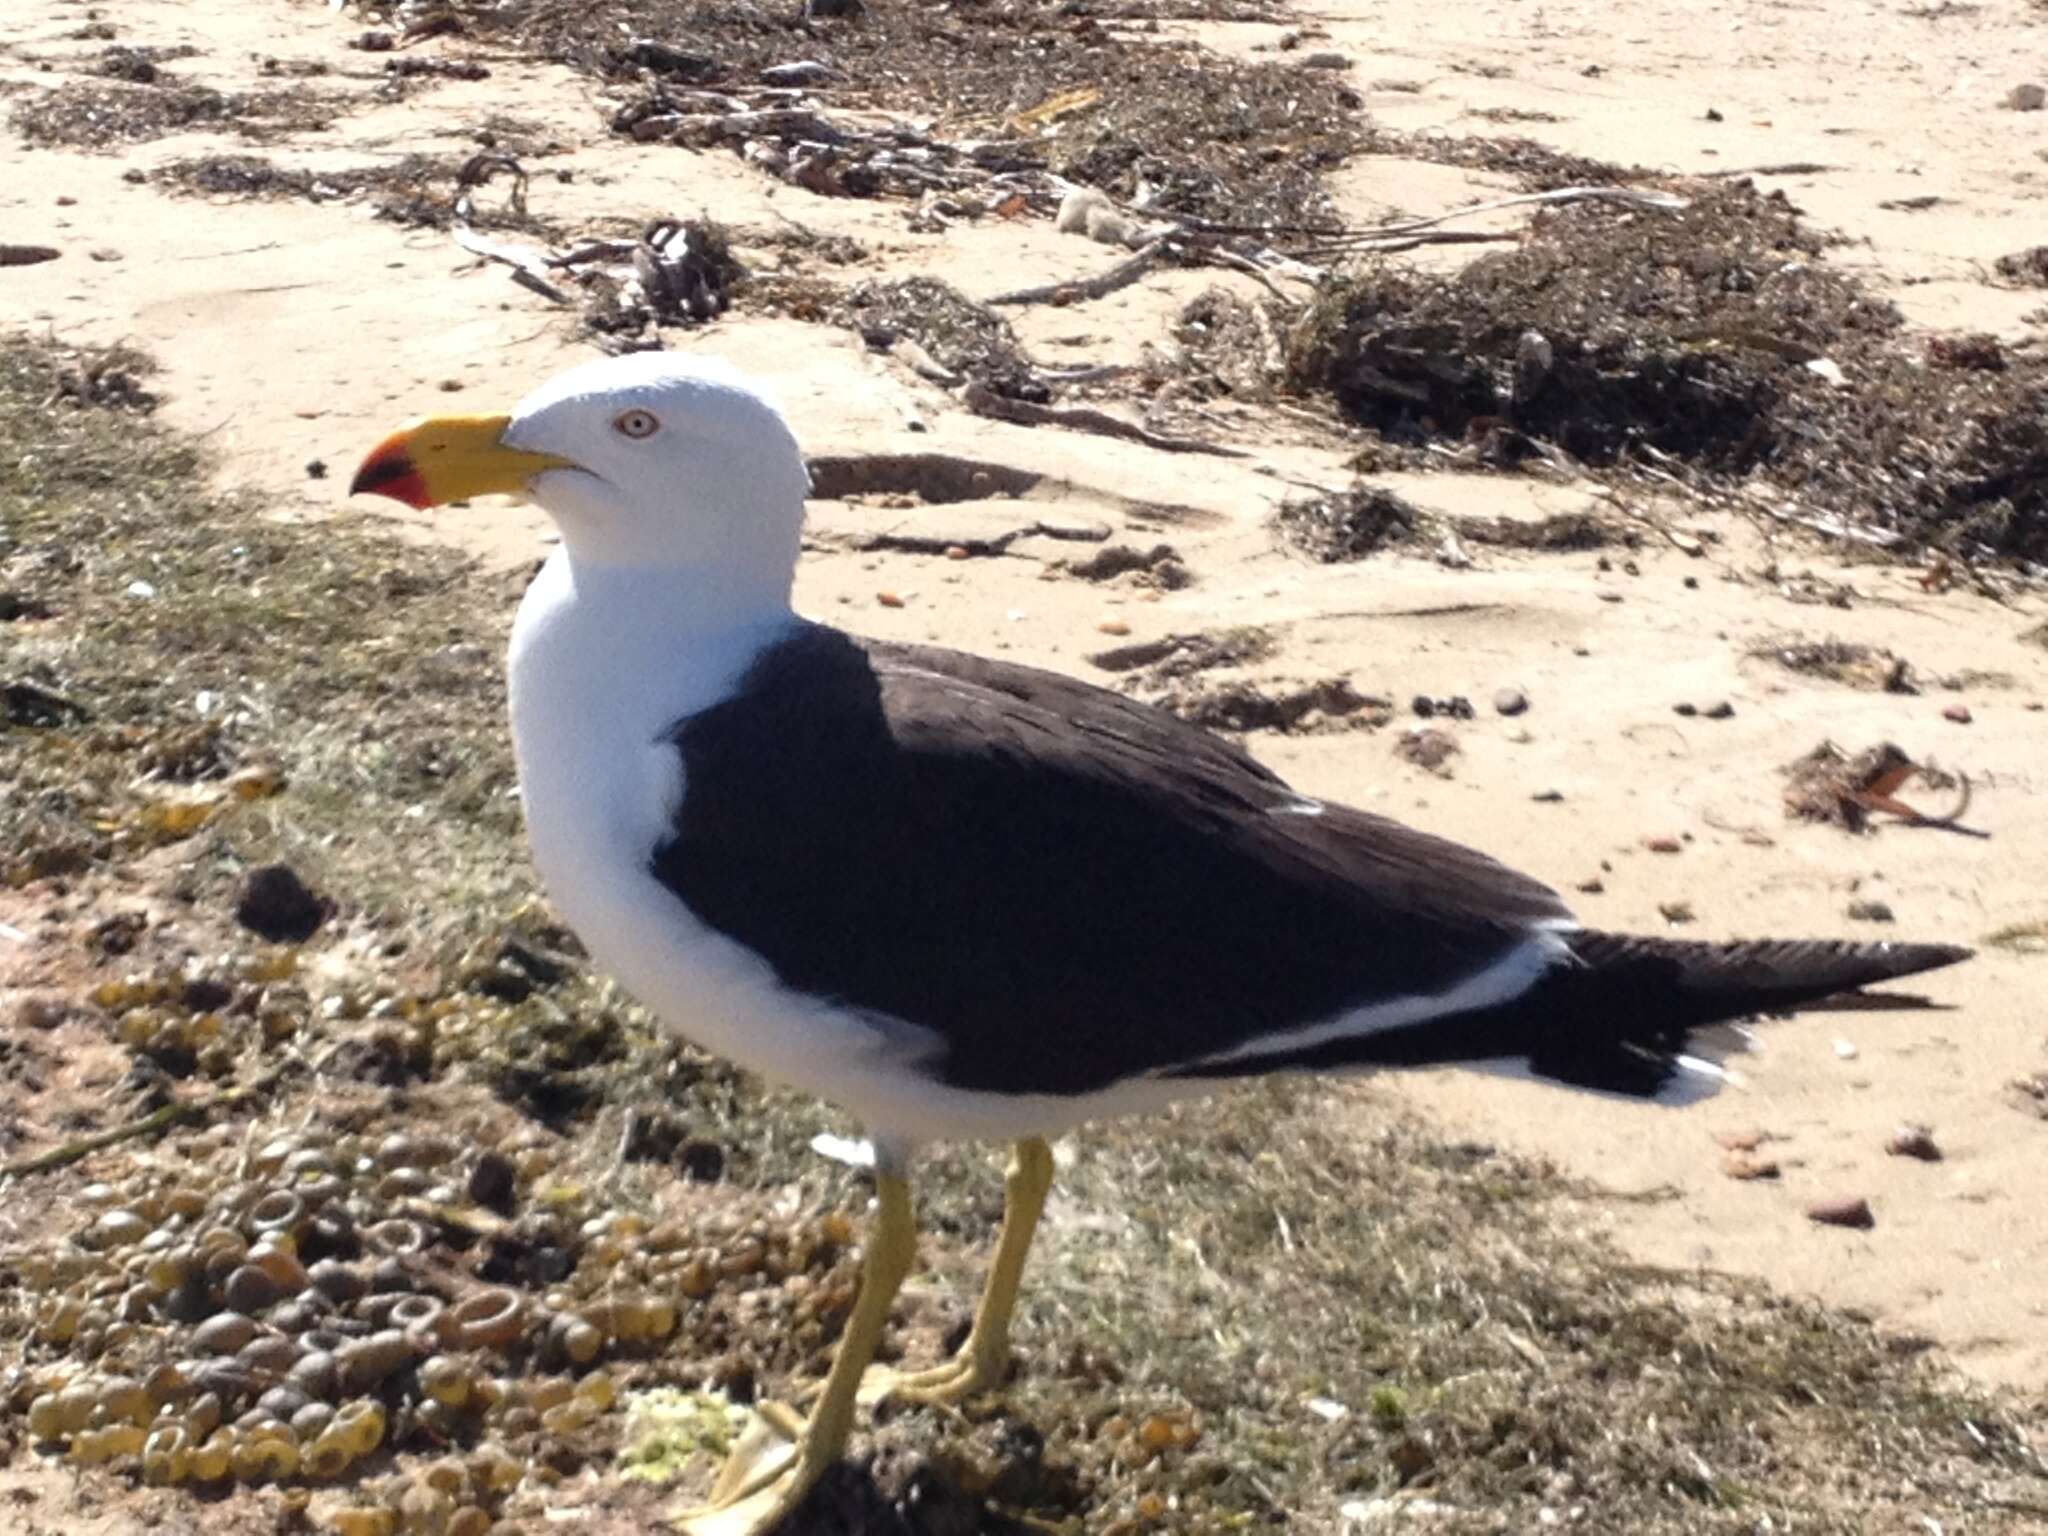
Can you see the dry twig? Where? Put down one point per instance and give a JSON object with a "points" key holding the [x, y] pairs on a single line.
{"points": [[983, 401]]}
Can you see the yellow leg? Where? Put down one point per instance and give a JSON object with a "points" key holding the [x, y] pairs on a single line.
{"points": [[780, 1456], [985, 1358]]}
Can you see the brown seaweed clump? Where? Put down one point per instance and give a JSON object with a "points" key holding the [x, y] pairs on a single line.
{"points": [[1714, 341]]}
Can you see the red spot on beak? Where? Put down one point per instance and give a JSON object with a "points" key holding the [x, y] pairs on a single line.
{"points": [[389, 470]]}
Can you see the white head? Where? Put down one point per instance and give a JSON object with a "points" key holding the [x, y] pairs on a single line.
{"points": [[651, 461]]}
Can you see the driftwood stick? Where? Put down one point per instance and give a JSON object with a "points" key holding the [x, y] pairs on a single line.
{"points": [[149, 1125], [1122, 275], [528, 264], [983, 401]]}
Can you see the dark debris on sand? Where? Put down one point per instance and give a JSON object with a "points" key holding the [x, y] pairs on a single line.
{"points": [[106, 114], [1717, 340], [418, 191], [1196, 134]]}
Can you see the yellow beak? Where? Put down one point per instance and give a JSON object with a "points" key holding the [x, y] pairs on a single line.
{"points": [[450, 458]]}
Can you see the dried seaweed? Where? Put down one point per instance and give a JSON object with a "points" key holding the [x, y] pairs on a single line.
{"points": [[417, 191], [1176, 129], [1848, 662], [92, 114], [1348, 524], [961, 336], [1717, 338]]}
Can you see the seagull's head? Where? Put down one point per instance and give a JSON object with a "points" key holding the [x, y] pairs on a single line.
{"points": [[653, 459]]}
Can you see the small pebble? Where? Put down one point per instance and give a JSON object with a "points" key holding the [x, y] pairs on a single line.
{"points": [[1911, 1140], [1849, 1211], [276, 904], [1846, 1049], [1870, 912], [1720, 709], [2026, 97], [1548, 796], [1663, 844], [1675, 912], [1113, 627], [1688, 710], [1592, 887], [492, 1180], [40, 1010], [1959, 713], [1748, 1165], [888, 599], [1510, 701]]}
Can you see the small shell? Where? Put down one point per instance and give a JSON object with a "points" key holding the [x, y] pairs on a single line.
{"points": [[365, 1362], [221, 1240], [45, 1420], [328, 1455], [167, 1454], [168, 1270], [316, 1373], [250, 1290], [168, 1383], [338, 1282], [307, 1161], [321, 1190], [360, 1425], [400, 1183], [446, 1474], [223, 1335], [399, 1236], [493, 1470], [566, 1418], [446, 1380], [283, 1402], [203, 1416], [577, 1339], [439, 1420], [281, 1210], [116, 1229], [545, 1392], [122, 1398], [426, 1510], [213, 1457], [416, 1314], [489, 1319], [310, 1423], [263, 1457], [74, 1407]]}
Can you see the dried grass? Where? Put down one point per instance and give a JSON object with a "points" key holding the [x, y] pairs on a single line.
{"points": [[1251, 1312]]}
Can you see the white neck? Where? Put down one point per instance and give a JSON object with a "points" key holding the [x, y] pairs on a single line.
{"points": [[605, 660]]}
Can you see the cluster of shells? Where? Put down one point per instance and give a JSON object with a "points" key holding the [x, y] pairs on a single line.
{"points": [[291, 1313]]}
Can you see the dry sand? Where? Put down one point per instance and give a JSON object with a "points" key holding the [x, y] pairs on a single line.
{"points": [[291, 333]]}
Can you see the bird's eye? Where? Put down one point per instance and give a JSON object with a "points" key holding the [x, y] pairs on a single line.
{"points": [[636, 424]]}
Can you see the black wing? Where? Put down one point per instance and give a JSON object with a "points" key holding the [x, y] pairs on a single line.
{"points": [[1066, 886]]}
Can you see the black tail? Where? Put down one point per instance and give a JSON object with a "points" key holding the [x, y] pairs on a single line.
{"points": [[1633, 1015], [1629, 1016]]}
